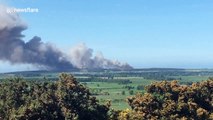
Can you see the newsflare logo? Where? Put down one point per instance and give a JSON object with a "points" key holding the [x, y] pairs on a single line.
{"points": [[22, 10]]}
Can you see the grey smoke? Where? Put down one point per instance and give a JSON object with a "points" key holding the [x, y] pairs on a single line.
{"points": [[15, 50], [82, 57]]}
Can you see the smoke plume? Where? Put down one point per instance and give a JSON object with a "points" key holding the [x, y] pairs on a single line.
{"points": [[82, 57], [15, 50]]}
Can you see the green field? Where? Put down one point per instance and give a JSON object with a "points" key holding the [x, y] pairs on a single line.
{"points": [[118, 100]]}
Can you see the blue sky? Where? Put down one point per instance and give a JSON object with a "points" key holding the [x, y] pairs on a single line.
{"points": [[144, 33]]}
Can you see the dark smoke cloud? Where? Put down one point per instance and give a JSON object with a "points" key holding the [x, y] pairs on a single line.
{"points": [[15, 50]]}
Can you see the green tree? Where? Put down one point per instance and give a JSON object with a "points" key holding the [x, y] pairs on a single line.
{"points": [[131, 92], [123, 92], [63, 99]]}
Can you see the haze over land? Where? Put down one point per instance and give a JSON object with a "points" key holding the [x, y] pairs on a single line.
{"points": [[174, 34]]}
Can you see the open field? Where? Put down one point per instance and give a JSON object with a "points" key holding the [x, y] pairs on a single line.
{"points": [[117, 93]]}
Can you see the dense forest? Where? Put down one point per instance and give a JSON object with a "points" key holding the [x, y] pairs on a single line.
{"points": [[67, 99]]}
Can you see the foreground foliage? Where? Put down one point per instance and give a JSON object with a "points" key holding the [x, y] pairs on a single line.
{"points": [[67, 99], [63, 99], [169, 101]]}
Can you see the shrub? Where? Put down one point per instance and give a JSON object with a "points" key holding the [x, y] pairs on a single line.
{"points": [[170, 100], [63, 99]]}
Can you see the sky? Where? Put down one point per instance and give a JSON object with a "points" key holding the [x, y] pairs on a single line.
{"points": [[143, 33]]}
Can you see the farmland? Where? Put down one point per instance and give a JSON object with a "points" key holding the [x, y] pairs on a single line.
{"points": [[116, 86]]}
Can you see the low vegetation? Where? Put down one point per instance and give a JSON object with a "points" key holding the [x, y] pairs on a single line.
{"points": [[66, 98], [63, 99], [171, 101]]}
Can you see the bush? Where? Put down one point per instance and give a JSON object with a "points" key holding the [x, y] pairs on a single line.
{"points": [[131, 92], [63, 99], [140, 87], [170, 100]]}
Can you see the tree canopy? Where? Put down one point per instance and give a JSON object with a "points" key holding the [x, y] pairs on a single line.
{"points": [[169, 101], [63, 99]]}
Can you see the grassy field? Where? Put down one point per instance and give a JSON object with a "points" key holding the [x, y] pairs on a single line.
{"points": [[192, 78], [117, 93], [118, 100]]}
